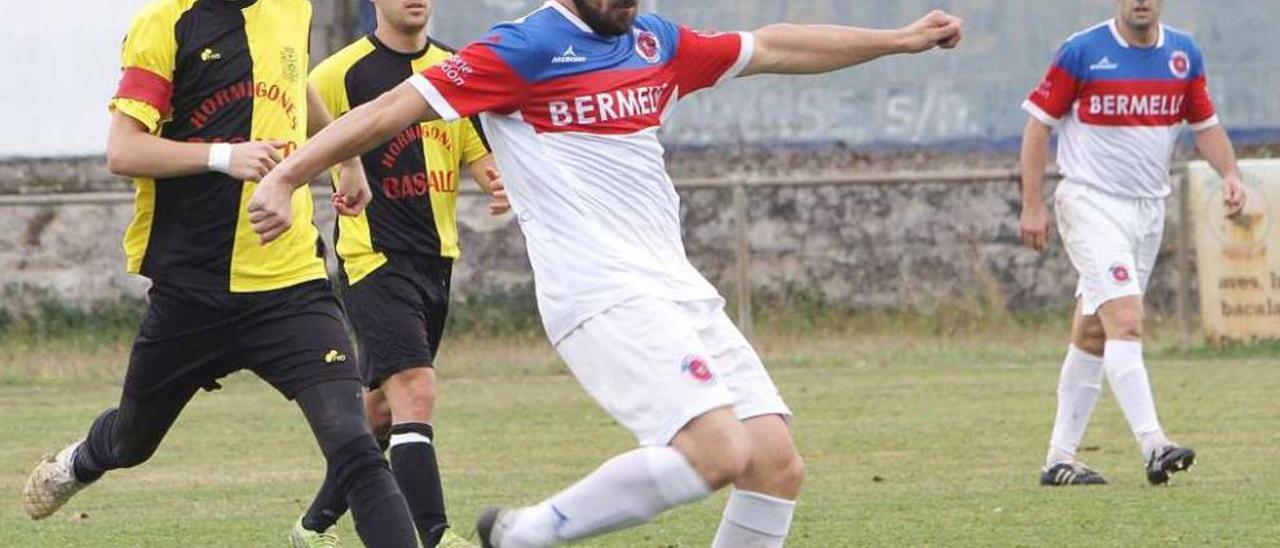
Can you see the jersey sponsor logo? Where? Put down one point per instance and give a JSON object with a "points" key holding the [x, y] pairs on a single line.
{"points": [[221, 99], [411, 136], [648, 47], [599, 108], [334, 356], [1120, 273], [1136, 105], [457, 70], [210, 55], [416, 185], [1180, 64], [569, 56], [1104, 64], [696, 368]]}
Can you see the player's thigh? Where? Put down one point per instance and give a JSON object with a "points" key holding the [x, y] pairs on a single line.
{"points": [[1099, 240], [186, 340], [645, 364], [738, 365], [1150, 221], [295, 338], [394, 319]]}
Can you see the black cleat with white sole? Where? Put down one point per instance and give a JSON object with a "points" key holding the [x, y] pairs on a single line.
{"points": [[1066, 473], [1171, 460]]}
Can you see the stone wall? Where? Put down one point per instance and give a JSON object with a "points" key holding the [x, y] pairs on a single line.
{"points": [[863, 246]]}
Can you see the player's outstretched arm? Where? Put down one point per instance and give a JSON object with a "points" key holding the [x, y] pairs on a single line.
{"points": [[133, 151], [355, 133], [815, 49], [1215, 146], [1034, 224], [351, 193]]}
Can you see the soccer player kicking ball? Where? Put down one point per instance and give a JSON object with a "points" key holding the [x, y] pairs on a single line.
{"points": [[1119, 93], [397, 257], [231, 73], [572, 97]]}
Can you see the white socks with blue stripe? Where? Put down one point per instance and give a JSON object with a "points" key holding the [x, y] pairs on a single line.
{"points": [[628, 490]]}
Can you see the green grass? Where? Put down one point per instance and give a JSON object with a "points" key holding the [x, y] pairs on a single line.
{"points": [[916, 433]]}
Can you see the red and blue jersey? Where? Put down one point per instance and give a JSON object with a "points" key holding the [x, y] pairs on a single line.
{"points": [[1120, 108], [573, 117]]}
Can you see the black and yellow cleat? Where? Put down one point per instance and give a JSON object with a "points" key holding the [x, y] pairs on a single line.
{"points": [[1067, 473], [1171, 460]]}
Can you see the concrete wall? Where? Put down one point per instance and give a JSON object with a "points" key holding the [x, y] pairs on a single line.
{"points": [[883, 246]]}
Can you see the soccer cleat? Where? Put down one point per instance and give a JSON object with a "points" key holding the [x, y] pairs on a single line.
{"points": [[1171, 460], [492, 525], [52, 483], [301, 537], [1069, 473], [453, 540]]}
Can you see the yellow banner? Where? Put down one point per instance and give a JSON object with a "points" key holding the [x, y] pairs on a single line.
{"points": [[1238, 258]]}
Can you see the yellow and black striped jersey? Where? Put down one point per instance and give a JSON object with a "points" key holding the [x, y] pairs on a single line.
{"points": [[414, 176], [218, 71]]}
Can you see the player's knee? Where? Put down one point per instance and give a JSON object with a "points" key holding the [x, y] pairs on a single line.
{"points": [[1125, 325], [725, 456], [355, 461], [790, 472], [412, 395], [128, 455]]}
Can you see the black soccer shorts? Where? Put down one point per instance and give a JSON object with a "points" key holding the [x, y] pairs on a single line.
{"points": [[398, 314]]}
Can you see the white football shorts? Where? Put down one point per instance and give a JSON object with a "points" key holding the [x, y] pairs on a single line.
{"points": [[1113, 241], [655, 365]]}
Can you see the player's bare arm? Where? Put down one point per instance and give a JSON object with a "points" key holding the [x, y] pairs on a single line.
{"points": [[133, 151], [352, 194], [358, 131], [1216, 148], [1035, 223], [815, 49], [485, 173]]}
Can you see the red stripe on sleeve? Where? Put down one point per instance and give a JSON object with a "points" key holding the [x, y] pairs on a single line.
{"points": [[1199, 102], [143, 85], [703, 58], [1056, 92], [477, 80]]}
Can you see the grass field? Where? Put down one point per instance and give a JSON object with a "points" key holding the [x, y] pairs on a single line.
{"points": [[915, 434]]}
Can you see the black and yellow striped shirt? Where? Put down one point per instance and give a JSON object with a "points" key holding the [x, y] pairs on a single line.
{"points": [[218, 71], [414, 176]]}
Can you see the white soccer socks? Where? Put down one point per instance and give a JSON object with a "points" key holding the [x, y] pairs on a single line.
{"points": [[754, 520], [628, 490], [1079, 387], [1127, 375]]}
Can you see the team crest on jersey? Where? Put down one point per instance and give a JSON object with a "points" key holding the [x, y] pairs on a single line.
{"points": [[289, 63], [697, 369], [1180, 64], [1120, 273], [648, 47]]}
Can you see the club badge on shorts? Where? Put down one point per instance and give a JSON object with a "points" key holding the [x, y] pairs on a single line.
{"points": [[1120, 274], [697, 369]]}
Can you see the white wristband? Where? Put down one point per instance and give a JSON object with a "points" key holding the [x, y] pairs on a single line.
{"points": [[220, 157]]}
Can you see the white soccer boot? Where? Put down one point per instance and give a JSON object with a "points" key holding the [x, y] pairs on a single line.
{"points": [[51, 484]]}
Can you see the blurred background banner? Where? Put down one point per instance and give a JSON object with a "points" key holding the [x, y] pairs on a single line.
{"points": [[1238, 258], [969, 99]]}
